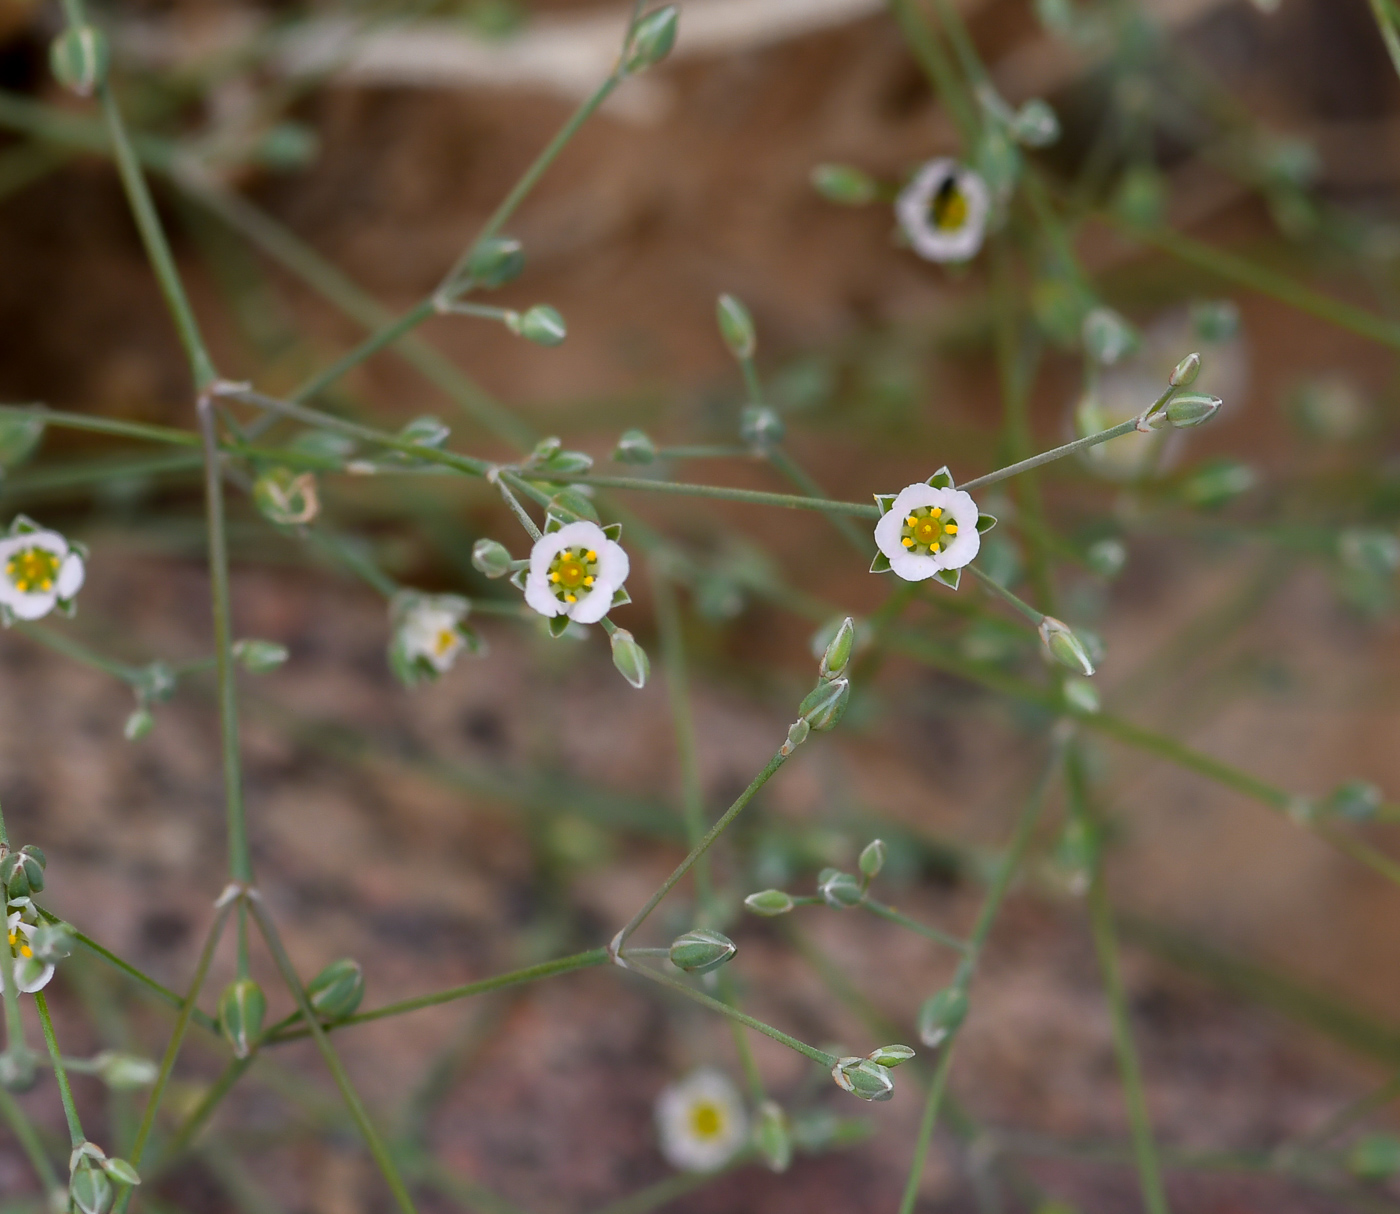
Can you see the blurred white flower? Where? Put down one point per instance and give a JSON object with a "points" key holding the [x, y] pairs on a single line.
{"points": [[31, 974], [430, 634], [701, 1121], [943, 211], [927, 530], [39, 570], [575, 571]]}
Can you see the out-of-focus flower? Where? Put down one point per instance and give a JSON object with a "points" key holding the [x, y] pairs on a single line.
{"points": [[943, 211], [701, 1121], [39, 570]]}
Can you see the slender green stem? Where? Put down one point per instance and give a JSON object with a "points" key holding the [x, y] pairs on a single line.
{"points": [[1047, 457], [1349, 1114], [699, 850], [61, 642], [240, 860], [387, 1167], [928, 933], [164, 993], [937, 67], [816, 1055], [60, 1073], [103, 425], [1385, 22], [1035, 617], [521, 515], [756, 497], [375, 342], [33, 1146], [194, 1121]]}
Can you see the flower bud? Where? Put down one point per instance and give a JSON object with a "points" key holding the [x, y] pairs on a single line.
{"points": [[1036, 125], [19, 1068], [1356, 800], [138, 725], [796, 735], [287, 498], [844, 184], [1107, 557], [260, 657], [839, 890], [52, 942], [495, 261], [863, 1078], [1375, 1157], [890, 1056], [1064, 647], [19, 437], [1081, 696], [736, 327], [337, 990], [773, 1136], [1217, 482], [701, 950], [241, 1011], [89, 1189], [769, 902], [22, 872], [652, 39], [125, 1072], [1186, 371], [491, 558], [825, 704], [872, 858], [942, 1015], [630, 658], [1192, 409], [121, 1171], [1075, 853], [1216, 321], [760, 426], [1107, 336], [541, 324], [838, 651], [634, 447], [79, 57]]}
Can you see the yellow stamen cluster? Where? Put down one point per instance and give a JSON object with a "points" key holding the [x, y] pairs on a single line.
{"points": [[446, 639], [572, 571], [33, 570], [706, 1120], [19, 944], [925, 532], [948, 211]]}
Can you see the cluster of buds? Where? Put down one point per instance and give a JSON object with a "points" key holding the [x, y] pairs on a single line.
{"points": [[92, 1173], [869, 1077], [824, 706]]}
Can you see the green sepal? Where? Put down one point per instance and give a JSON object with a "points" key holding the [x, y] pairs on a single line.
{"points": [[558, 625], [985, 522], [552, 522], [7, 617], [614, 532], [884, 501], [942, 479], [949, 577], [572, 501], [620, 597], [881, 563], [517, 579], [24, 525]]}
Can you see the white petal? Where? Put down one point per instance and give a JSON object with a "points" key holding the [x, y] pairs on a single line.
{"points": [[613, 565], [912, 211], [538, 594], [38, 983], [594, 605], [887, 537], [914, 568], [28, 606], [70, 576]]}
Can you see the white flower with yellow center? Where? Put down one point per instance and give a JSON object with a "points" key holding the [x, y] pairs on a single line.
{"points": [[575, 571], [430, 634], [701, 1122], [929, 529], [39, 570], [20, 960], [943, 211]]}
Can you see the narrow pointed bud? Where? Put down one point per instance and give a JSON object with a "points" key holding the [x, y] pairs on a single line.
{"points": [[797, 733], [1356, 800], [890, 1056], [495, 261], [491, 558], [125, 1072], [1064, 647], [736, 327], [1192, 409], [839, 890], [844, 184], [1108, 337], [942, 1015], [773, 1136], [701, 950], [1186, 371], [630, 658], [872, 858], [241, 1011], [22, 872], [337, 990], [541, 324], [1081, 696], [89, 1189], [634, 447], [863, 1078], [260, 657], [825, 704], [652, 39], [138, 725], [761, 427], [838, 652], [121, 1171], [769, 902], [79, 57]]}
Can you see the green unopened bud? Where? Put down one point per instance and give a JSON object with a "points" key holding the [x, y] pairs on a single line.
{"points": [[52, 942], [736, 327], [773, 1136], [19, 437], [241, 1010], [1191, 409], [19, 1068], [1107, 557], [426, 431], [89, 1189], [79, 58], [287, 498], [1064, 647], [701, 950], [1375, 1157], [260, 657], [1216, 320], [769, 902], [838, 652], [825, 704], [634, 447], [495, 261], [541, 324], [942, 1015], [121, 1171], [863, 1078], [22, 872], [797, 734], [872, 858], [337, 990], [652, 39], [761, 427], [1356, 800], [890, 1056], [491, 558], [125, 1072], [1107, 336], [138, 725], [1186, 371], [1075, 853], [1217, 482], [839, 890], [1081, 696], [1036, 125], [844, 184], [630, 658]]}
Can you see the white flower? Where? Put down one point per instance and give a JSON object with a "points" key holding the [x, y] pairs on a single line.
{"points": [[575, 571], [430, 633], [32, 974], [943, 211], [701, 1121], [39, 570], [927, 529]]}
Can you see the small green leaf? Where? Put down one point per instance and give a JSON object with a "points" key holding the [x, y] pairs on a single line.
{"points": [[620, 597], [558, 624], [985, 522], [949, 577], [942, 479], [614, 532], [884, 501], [881, 563]]}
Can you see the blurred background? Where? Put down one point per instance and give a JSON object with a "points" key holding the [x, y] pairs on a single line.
{"points": [[315, 163]]}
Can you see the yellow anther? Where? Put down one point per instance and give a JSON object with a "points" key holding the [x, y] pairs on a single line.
{"points": [[590, 555], [553, 577], [588, 581], [936, 512], [911, 520], [907, 542], [571, 598], [950, 528], [933, 547]]}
